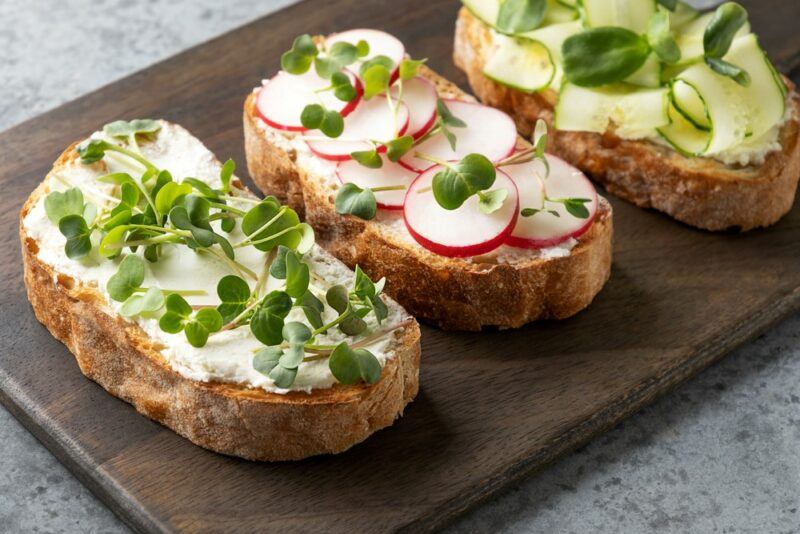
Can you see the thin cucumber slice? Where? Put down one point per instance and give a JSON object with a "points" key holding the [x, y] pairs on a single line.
{"points": [[634, 112], [764, 97], [521, 64], [553, 38], [683, 136], [488, 10], [632, 14], [648, 75], [690, 103]]}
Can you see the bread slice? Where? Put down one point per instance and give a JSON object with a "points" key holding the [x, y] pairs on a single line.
{"points": [[506, 288], [226, 417], [700, 192]]}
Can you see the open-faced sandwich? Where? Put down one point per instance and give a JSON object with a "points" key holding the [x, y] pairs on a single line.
{"points": [[666, 107], [404, 174], [208, 309]]}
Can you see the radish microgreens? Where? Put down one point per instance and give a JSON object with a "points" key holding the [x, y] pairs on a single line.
{"points": [[152, 210]]}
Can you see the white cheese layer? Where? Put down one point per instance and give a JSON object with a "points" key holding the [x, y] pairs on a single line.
{"points": [[393, 219], [228, 356]]}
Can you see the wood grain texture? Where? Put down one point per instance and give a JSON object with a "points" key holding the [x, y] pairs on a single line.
{"points": [[493, 406]]}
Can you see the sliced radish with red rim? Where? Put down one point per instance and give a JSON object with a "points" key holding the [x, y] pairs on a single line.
{"points": [[390, 174], [281, 100], [488, 131], [420, 96], [372, 120], [565, 181], [462, 232], [380, 44]]}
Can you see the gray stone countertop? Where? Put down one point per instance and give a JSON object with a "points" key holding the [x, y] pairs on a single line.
{"points": [[719, 454]]}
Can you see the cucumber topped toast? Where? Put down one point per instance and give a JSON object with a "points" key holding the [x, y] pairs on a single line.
{"points": [[208, 309], [666, 107], [401, 172]]}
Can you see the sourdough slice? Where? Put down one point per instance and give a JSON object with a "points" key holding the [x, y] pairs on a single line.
{"points": [[506, 288], [225, 417], [701, 192]]}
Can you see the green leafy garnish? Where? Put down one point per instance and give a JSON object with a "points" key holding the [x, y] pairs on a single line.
{"points": [[297, 275], [197, 326], [329, 122], [78, 234], [268, 224], [600, 56], [518, 16], [446, 120], [267, 320], [397, 148], [298, 60], [128, 278], [353, 200], [669, 4], [660, 38], [352, 365], [718, 36], [58, 205], [720, 66], [376, 73], [453, 185], [137, 304], [368, 158], [491, 201], [409, 68], [234, 294]]}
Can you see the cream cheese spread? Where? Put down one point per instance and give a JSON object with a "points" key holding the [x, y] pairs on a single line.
{"points": [[228, 355]]}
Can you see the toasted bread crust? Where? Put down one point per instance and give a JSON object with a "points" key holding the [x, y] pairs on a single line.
{"points": [[700, 192], [453, 294], [226, 418]]}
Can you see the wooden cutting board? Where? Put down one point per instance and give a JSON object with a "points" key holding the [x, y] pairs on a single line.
{"points": [[493, 406]]}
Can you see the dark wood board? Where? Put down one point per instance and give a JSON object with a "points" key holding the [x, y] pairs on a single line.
{"points": [[493, 406]]}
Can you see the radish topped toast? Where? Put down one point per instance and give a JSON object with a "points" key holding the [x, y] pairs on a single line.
{"points": [[210, 310], [667, 107], [402, 173]]}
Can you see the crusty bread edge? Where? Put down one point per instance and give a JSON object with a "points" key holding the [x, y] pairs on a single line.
{"points": [[700, 192], [452, 294], [226, 418]]}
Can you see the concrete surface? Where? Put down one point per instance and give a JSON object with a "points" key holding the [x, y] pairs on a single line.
{"points": [[717, 455]]}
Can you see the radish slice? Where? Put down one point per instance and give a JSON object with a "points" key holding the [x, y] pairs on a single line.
{"points": [[420, 96], [281, 100], [489, 132], [388, 175], [462, 232], [372, 120], [565, 181], [380, 43]]}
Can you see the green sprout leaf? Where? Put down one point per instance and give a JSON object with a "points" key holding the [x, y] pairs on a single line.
{"points": [[138, 304], [362, 48], [298, 60], [518, 16], [297, 275], [353, 200], [397, 148], [453, 185], [202, 237], [267, 320], [353, 325], [78, 234], [169, 195], [225, 175], [660, 38], [127, 129], [92, 150], [201, 187], [343, 53], [600, 56], [719, 34], [266, 359], [128, 278], [58, 205], [312, 115], [368, 158], [201, 325], [446, 120], [491, 201], [737, 74], [669, 4], [234, 294], [312, 308], [376, 81], [342, 87], [409, 68], [338, 298], [278, 267], [350, 366], [268, 225], [576, 207], [178, 311]]}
